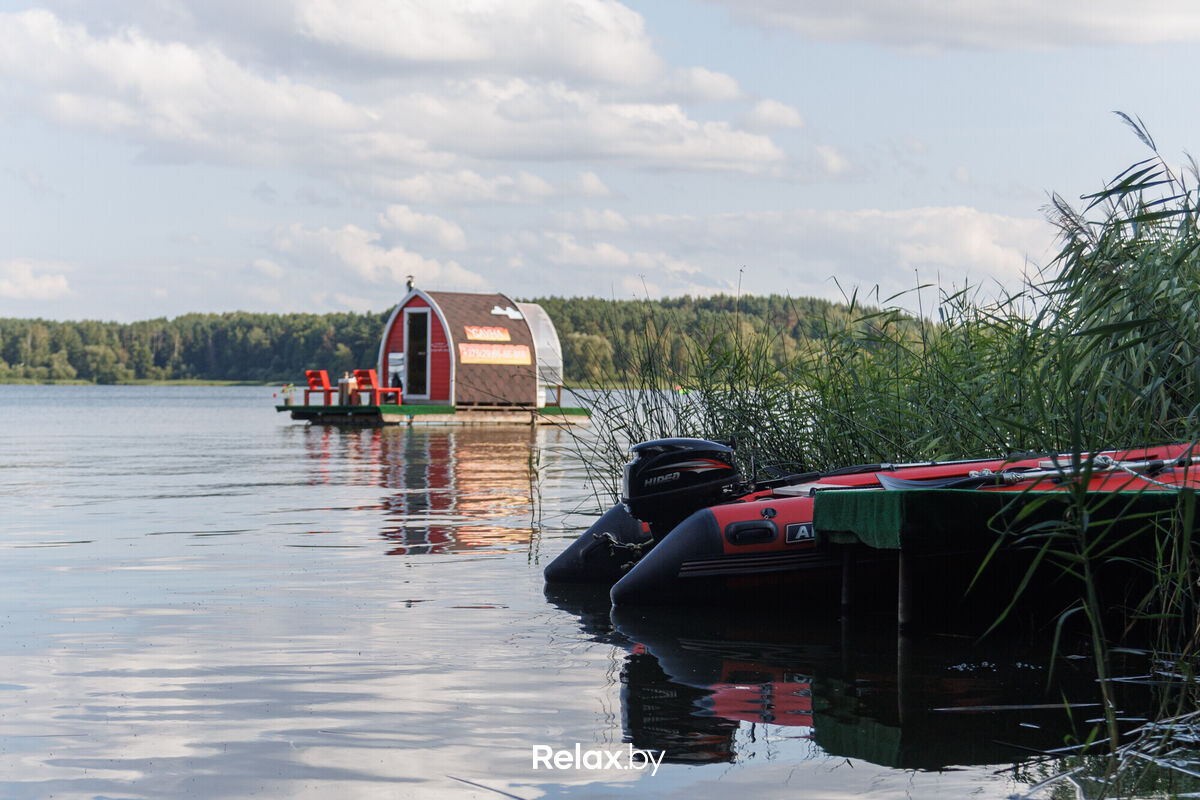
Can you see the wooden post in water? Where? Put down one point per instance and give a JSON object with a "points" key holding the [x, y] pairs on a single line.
{"points": [[904, 589], [904, 678], [847, 572]]}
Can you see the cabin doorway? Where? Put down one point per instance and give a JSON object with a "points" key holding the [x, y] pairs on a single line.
{"points": [[416, 350]]}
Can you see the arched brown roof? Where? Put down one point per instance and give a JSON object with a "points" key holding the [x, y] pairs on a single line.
{"points": [[492, 349]]}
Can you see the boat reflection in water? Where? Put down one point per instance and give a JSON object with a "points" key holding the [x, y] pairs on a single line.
{"points": [[707, 686], [446, 489]]}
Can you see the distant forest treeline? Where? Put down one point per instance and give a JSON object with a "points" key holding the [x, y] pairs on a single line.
{"points": [[243, 346]]}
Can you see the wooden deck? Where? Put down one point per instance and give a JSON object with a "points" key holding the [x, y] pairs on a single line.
{"points": [[436, 415]]}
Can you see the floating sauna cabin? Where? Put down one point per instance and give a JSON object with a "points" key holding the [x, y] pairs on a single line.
{"points": [[450, 358], [470, 350]]}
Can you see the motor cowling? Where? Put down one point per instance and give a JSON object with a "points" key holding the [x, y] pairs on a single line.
{"points": [[669, 479]]}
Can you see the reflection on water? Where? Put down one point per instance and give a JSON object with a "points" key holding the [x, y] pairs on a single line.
{"points": [[443, 485], [199, 598], [721, 686]]}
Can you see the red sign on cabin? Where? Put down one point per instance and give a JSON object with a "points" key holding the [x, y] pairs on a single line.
{"points": [[480, 333], [515, 354]]}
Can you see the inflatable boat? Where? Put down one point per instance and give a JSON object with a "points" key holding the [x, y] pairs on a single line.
{"points": [[691, 528], [669, 479]]}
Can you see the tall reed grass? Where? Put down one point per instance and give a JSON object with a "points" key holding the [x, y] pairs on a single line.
{"points": [[1099, 349]]}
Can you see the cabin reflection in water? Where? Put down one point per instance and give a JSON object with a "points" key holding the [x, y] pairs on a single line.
{"points": [[445, 489], [708, 686]]}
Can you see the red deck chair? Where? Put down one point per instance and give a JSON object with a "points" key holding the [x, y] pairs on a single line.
{"points": [[318, 381], [368, 382]]}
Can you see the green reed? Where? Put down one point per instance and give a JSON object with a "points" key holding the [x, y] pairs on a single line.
{"points": [[1099, 349]]}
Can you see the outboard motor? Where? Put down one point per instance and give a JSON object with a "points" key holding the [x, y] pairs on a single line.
{"points": [[669, 479]]}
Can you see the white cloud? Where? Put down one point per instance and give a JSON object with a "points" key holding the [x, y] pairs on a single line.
{"points": [[591, 219], [268, 296], [799, 251], [591, 40], [265, 193], [656, 285], [588, 184], [986, 24], [468, 187], [638, 286], [427, 227], [27, 279], [452, 188], [627, 258], [434, 110], [357, 252], [183, 101], [167, 93], [355, 303], [963, 241], [268, 268], [515, 119], [657, 263], [704, 85], [35, 181], [832, 162], [768, 114], [310, 196], [566, 249]]}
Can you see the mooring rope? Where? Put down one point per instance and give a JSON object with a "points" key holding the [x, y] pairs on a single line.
{"points": [[1144, 476]]}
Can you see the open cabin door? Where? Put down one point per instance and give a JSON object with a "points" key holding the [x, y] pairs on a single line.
{"points": [[395, 370], [416, 353]]}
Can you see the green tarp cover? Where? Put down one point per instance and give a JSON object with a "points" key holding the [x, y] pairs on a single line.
{"points": [[926, 519]]}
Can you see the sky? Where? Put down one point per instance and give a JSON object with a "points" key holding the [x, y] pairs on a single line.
{"points": [[160, 157]]}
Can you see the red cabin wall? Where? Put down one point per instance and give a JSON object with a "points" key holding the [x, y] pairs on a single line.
{"points": [[439, 363], [439, 351]]}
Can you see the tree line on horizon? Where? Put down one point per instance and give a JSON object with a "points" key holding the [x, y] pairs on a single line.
{"points": [[597, 337]]}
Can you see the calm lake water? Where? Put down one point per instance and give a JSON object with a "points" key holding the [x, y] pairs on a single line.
{"points": [[201, 598]]}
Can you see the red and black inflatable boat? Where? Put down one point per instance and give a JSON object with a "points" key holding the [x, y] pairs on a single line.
{"points": [[690, 528]]}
